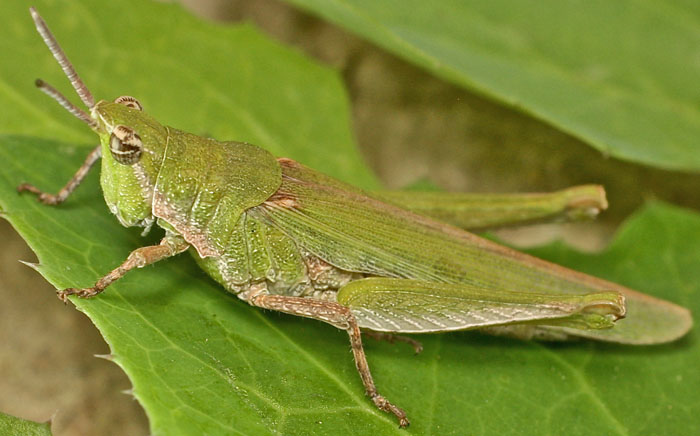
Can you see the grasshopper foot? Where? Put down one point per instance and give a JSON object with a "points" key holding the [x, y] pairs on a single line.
{"points": [[63, 294], [388, 407], [42, 197], [391, 338]]}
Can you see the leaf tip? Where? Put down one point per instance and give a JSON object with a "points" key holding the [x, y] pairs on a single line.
{"points": [[35, 266], [51, 419], [109, 356]]}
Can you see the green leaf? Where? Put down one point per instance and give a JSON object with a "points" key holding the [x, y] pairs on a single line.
{"points": [[620, 75], [13, 426], [203, 362]]}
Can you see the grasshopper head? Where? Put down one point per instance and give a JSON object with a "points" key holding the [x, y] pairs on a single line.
{"points": [[132, 142], [133, 145]]}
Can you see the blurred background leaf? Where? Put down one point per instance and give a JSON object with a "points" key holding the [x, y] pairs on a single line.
{"points": [[621, 76]]}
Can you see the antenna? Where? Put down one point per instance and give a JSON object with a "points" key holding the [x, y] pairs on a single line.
{"points": [[67, 67], [63, 101]]}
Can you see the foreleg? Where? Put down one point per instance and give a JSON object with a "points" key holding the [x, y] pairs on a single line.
{"points": [[78, 177], [168, 247]]}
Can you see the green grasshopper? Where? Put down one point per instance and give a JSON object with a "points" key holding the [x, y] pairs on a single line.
{"points": [[284, 237]]}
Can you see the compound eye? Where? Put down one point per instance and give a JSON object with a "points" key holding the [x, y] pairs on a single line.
{"points": [[129, 101], [125, 145]]}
